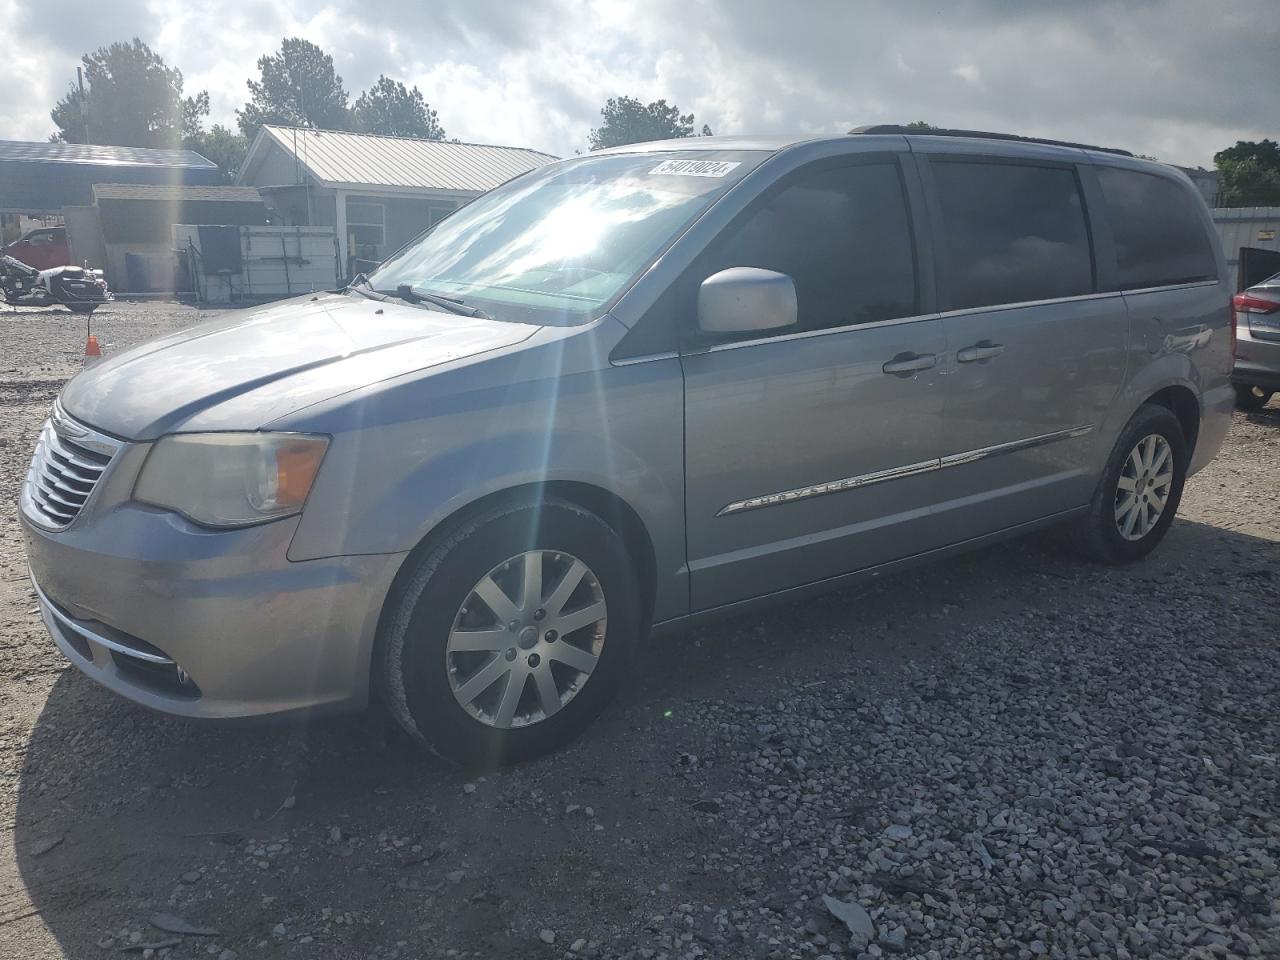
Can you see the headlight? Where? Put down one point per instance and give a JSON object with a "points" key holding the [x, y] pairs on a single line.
{"points": [[231, 479]]}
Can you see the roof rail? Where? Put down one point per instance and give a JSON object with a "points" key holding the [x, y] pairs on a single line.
{"points": [[978, 134]]}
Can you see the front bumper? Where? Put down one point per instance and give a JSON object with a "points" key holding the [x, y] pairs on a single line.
{"points": [[206, 623]]}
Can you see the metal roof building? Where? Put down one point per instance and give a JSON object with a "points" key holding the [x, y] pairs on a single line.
{"points": [[41, 178], [1256, 227], [377, 192]]}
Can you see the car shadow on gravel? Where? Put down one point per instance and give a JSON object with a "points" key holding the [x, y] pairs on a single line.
{"points": [[123, 814], [1268, 416]]}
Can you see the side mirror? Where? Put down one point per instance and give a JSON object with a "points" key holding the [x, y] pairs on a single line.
{"points": [[746, 300]]}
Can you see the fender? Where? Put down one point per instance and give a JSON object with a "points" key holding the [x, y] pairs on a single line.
{"points": [[1191, 352], [405, 459]]}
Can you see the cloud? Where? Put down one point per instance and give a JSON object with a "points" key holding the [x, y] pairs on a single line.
{"points": [[1178, 79]]}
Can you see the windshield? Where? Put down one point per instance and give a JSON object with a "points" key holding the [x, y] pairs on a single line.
{"points": [[560, 244]]}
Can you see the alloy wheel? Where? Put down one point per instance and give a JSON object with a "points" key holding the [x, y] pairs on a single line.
{"points": [[1142, 492], [527, 639]]}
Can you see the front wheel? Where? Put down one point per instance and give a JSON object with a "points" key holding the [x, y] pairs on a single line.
{"points": [[1139, 491], [511, 634], [1251, 398]]}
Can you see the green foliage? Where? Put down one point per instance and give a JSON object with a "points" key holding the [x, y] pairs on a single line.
{"points": [[298, 88], [627, 120], [389, 108], [1250, 174], [920, 125], [223, 146], [133, 100]]}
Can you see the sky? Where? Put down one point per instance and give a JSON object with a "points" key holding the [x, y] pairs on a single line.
{"points": [[1174, 79]]}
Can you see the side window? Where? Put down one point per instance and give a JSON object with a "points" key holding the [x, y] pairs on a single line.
{"points": [[842, 234], [1012, 233], [1159, 237]]}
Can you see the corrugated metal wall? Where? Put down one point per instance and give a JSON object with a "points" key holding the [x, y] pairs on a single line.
{"points": [[1246, 227], [276, 262]]}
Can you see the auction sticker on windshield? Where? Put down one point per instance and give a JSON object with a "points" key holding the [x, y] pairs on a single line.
{"points": [[695, 168]]}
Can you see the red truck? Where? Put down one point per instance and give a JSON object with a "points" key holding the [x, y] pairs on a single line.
{"points": [[42, 248]]}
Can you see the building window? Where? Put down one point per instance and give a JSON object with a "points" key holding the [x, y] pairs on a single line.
{"points": [[438, 211], [366, 224]]}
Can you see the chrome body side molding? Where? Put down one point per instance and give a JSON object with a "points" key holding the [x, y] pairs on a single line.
{"points": [[999, 449], [896, 473]]}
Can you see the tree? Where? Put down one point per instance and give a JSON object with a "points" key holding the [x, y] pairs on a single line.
{"points": [[223, 146], [627, 120], [920, 125], [1250, 174], [388, 108], [298, 88], [134, 100]]}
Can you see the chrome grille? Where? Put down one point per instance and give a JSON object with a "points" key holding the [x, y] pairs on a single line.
{"points": [[69, 460]]}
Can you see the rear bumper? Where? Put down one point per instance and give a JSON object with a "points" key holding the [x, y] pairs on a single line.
{"points": [[1251, 375], [1257, 361], [208, 624]]}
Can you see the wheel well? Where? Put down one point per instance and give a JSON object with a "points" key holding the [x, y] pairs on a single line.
{"points": [[1184, 405], [609, 507]]}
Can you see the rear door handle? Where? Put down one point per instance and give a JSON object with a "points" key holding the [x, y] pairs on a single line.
{"points": [[910, 362], [982, 350]]}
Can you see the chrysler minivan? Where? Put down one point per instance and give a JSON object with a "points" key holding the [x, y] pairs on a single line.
{"points": [[626, 392]]}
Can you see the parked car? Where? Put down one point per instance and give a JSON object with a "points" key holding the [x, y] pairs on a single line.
{"points": [[1257, 368], [629, 392], [42, 248]]}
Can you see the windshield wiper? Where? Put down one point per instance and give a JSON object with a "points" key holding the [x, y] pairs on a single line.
{"points": [[362, 284], [410, 294], [452, 304]]}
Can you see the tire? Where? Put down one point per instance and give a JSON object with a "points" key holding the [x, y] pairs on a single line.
{"points": [[417, 669], [82, 308], [1099, 534], [1246, 399]]}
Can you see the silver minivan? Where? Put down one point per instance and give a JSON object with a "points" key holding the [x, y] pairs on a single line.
{"points": [[624, 392]]}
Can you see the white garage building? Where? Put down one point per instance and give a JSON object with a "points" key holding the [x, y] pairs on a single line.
{"points": [[377, 192]]}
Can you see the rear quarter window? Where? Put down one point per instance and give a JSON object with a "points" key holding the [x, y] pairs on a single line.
{"points": [[1159, 235]]}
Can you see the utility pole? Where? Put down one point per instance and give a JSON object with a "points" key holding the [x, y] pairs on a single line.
{"points": [[84, 107]]}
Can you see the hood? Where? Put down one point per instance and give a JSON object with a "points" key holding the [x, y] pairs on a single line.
{"points": [[243, 371]]}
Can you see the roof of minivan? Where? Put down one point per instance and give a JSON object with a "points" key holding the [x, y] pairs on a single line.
{"points": [[769, 143], [774, 143]]}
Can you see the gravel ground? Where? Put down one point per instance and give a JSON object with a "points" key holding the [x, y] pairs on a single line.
{"points": [[1012, 754]]}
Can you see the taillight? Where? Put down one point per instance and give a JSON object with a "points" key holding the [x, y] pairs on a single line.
{"points": [[1235, 322], [1248, 303], [1261, 313]]}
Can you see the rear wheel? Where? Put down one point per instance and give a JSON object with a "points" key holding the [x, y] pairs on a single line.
{"points": [[511, 634], [1252, 398], [1140, 489]]}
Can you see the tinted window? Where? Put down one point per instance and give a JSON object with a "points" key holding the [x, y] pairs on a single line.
{"points": [[1159, 235], [843, 236], [1012, 233]]}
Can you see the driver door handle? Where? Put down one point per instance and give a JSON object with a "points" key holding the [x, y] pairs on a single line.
{"points": [[910, 362], [982, 350]]}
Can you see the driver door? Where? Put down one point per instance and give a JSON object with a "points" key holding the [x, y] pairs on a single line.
{"points": [[812, 452]]}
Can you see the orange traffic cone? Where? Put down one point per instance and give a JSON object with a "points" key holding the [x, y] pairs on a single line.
{"points": [[92, 352]]}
